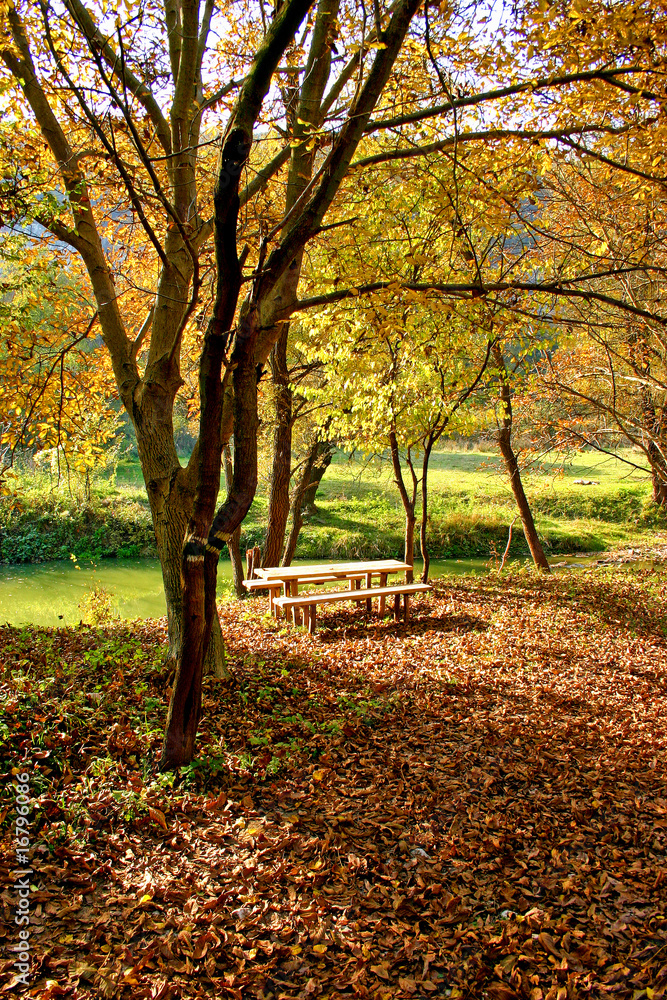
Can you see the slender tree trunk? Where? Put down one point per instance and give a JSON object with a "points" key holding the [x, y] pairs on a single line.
{"points": [[234, 543], [281, 468], [297, 503], [512, 465], [423, 525], [325, 450], [409, 545], [655, 425], [409, 504]]}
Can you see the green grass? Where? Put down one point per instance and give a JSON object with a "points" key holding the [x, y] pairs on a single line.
{"points": [[471, 506], [359, 514]]}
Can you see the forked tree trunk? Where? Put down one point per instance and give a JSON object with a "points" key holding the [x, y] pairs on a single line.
{"points": [[171, 497], [512, 465], [302, 486], [409, 504], [207, 534], [325, 450], [281, 468], [234, 543]]}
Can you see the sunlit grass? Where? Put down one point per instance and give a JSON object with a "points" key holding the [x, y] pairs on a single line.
{"points": [[358, 510]]}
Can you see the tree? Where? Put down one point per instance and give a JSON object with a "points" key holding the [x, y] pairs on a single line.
{"points": [[504, 437], [398, 371], [55, 381]]}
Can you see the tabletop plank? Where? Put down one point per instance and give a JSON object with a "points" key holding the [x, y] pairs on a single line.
{"points": [[331, 569]]}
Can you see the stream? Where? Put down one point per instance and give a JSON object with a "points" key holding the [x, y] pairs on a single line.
{"points": [[50, 593]]}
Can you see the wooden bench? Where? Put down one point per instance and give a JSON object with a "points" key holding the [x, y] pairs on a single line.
{"points": [[292, 607], [274, 586]]}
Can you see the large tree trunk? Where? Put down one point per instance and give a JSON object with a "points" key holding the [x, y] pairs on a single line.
{"points": [[512, 465], [234, 543], [206, 535], [281, 468], [171, 496]]}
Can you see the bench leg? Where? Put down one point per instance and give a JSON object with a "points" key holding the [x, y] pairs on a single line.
{"points": [[406, 608], [382, 601], [306, 616], [397, 607], [273, 593], [369, 600], [294, 592], [312, 618]]}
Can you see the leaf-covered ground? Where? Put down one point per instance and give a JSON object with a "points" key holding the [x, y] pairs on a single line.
{"points": [[473, 805]]}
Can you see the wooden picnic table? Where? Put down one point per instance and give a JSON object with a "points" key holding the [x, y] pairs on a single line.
{"points": [[289, 577]]}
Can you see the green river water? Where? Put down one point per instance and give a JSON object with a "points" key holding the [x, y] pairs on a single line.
{"points": [[50, 593]]}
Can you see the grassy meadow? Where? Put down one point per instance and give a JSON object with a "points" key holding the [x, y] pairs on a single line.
{"points": [[358, 514]]}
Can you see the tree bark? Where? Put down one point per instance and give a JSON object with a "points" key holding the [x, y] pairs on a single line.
{"points": [[201, 552], [325, 450], [234, 543], [659, 483], [409, 504], [423, 524], [512, 465], [281, 468], [302, 486], [654, 423]]}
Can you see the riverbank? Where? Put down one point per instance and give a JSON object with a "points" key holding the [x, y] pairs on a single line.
{"points": [[451, 808], [358, 513]]}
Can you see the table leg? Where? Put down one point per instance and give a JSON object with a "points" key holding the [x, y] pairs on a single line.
{"points": [[382, 601], [312, 618], [397, 607], [369, 601]]}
